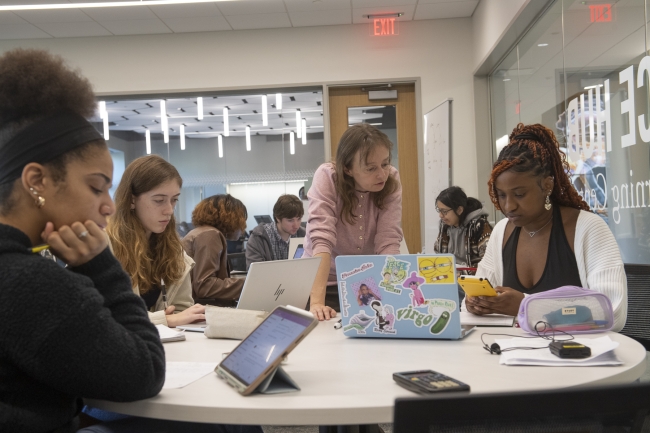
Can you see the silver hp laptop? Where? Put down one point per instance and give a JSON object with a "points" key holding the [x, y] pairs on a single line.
{"points": [[280, 282]]}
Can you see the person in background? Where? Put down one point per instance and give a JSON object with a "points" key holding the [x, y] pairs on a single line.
{"points": [[355, 207], [87, 333], [144, 239], [564, 243], [464, 227], [216, 219], [271, 241]]}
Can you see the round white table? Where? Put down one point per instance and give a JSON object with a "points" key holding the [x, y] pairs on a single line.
{"points": [[349, 381]]}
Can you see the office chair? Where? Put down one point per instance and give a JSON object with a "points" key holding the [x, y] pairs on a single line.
{"points": [[637, 325], [585, 410], [237, 262]]}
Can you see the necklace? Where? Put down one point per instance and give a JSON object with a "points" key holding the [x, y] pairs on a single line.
{"points": [[531, 234]]}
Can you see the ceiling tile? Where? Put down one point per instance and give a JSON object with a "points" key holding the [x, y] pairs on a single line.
{"points": [[358, 14], [356, 4], [259, 21], [21, 31], [54, 16], [321, 18], [247, 7], [434, 11], [197, 24], [135, 27], [119, 14], [186, 10], [7, 17], [311, 5], [74, 30]]}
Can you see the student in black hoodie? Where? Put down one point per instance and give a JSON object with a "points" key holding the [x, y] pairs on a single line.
{"points": [[74, 332]]}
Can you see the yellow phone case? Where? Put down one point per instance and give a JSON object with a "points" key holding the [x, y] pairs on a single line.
{"points": [[476, 286]]}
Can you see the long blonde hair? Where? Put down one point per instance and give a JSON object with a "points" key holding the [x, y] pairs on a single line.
{"points": [[360, 139], [161, 257]]}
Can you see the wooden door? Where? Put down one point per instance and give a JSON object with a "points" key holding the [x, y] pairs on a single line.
{"points": [[342, 98]]}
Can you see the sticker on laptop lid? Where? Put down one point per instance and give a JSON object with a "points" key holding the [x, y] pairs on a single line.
{"points": [[359, 322], [344, 297], [436, 270], [366, 291], [413, 284], [393, 273], [364, 267], [418, 318], [384, 320]]}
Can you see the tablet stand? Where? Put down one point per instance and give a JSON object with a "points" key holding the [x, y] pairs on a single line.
{"points": [[277, 382]]}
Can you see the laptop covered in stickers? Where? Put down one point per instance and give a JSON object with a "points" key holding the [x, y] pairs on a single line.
{"points": [[401, 296]]}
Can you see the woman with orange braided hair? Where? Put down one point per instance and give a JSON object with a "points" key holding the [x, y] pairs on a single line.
{"points": [[563, 242]]}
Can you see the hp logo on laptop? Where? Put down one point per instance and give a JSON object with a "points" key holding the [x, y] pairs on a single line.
{"points": [[278, 292]]}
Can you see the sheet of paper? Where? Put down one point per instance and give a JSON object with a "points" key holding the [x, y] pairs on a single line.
{"points": [[168, 334], [602, 352], [467, 318], [181, 374]]}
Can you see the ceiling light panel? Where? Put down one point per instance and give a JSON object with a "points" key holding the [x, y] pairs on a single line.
{"points": [[131, 115]]}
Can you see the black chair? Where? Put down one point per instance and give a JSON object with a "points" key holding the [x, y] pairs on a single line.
{"points": [[237, 262], [586, 410], [637, 325]]}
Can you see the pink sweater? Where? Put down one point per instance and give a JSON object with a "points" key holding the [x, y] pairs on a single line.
{"points": [[376, 231]]}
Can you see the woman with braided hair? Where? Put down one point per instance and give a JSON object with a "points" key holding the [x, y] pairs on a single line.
{"points": [[562, 243]]}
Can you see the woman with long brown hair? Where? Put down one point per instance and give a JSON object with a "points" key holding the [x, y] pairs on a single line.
{"points": [[355, 207], [217, 219], [564, 243], [144, 239]]}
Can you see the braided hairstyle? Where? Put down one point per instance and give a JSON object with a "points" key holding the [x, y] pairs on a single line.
{"points": [[534, 149]]}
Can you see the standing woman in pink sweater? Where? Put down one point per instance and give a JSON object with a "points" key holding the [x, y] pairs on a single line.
{"points": [[355, 207]]}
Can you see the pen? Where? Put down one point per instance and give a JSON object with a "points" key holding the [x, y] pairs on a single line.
{"points": [[38, 249], [164, 293]]}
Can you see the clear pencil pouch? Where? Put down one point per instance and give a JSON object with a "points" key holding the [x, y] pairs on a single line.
{"points": [[231, 322], [571, 309]]}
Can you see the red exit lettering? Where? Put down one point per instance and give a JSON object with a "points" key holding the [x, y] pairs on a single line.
{"points": [[601, 13], [384, 26]]}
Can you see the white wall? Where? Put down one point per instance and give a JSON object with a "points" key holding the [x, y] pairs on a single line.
{"points": [[260, 198], [491, 20], [438, 53]]}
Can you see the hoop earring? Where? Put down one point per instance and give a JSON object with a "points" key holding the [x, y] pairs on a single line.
{"points": [[38, 200], [547, 204]]}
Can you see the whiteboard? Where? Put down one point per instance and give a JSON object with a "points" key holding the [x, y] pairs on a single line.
{"points": [[437, 166]]}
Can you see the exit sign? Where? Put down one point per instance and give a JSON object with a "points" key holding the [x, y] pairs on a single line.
{"points": [[600, 13], [384, 27]]}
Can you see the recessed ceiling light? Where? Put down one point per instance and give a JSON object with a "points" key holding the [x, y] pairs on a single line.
{"points": [[542, 45], [506, 79]]}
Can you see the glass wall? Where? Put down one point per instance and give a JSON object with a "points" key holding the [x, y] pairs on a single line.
{"points": [[255, 146], [582, 71]]}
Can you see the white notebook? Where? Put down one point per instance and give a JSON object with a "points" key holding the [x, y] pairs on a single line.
{"points": [[168, 334]]}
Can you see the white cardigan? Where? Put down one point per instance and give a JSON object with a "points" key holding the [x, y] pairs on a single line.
{"points": [[597, 254]]}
